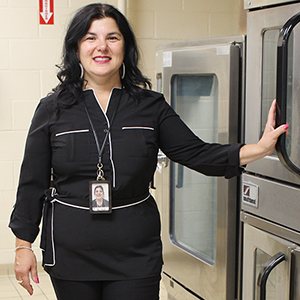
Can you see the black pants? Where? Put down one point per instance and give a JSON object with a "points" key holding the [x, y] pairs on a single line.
{"points": [[137, 289]]}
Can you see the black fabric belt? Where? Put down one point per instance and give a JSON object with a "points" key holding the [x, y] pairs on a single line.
{"points": [[84, 202]]}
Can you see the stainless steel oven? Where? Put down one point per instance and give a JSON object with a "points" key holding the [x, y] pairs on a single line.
{"points": [[203, 81], [263, 29], [236, 239], [273, 270], [270, 190]]}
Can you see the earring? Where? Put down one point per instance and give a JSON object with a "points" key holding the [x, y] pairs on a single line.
{"points": [[82, 70], [123, 73]]}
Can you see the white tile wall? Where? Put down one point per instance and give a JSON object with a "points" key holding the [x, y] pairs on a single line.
{"points": [[5, 114], [3, 3], [175, 27], [18, 23], [29, 52], [6, 182], [4, 54], [24, 3]]}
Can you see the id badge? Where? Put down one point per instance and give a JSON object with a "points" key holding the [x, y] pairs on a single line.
{"points": [[100, 197]]}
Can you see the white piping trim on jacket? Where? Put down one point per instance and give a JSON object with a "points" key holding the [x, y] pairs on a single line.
{"points": [[132, 204], [112, 162], [72, 131], [109, 136], [80, 207], [87, 208], [68, 204], [52, 238], [108, 97], [137, 127]]}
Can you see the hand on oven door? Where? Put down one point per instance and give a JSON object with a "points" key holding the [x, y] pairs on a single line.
{"points": [[266, 145]]}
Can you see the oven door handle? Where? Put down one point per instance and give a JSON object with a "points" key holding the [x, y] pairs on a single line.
{"points": [[265, 272], [281, 89]]}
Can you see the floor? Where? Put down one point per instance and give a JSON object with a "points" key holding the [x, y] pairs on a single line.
{"points": [[11, 290]]}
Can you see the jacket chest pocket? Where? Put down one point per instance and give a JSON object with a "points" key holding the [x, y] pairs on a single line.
{"points": [[139, 140], [71, 146]]}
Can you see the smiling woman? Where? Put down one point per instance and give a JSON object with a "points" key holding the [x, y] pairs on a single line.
{"points": [[71, 73], [101, 53]]}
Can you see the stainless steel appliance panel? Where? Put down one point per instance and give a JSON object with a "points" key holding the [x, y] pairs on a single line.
{"points": [[270, 191], [263, 27], [271, 261], [275, 201], [287, 93], [251, 4], [201, 80], [267, 265]]}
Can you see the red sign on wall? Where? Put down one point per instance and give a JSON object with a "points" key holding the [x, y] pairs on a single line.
{"points": [[46, 12]]}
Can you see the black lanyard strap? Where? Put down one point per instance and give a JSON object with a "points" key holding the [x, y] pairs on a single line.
{"points": [[100, 150]]}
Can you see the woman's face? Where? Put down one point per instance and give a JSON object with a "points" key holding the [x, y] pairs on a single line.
{"points": [[101, 51], [98, 193]]}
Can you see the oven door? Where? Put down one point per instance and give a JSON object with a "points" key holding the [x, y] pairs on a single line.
{"points": [[202, 81], [270, 266], [288, 94], [263, 31]]}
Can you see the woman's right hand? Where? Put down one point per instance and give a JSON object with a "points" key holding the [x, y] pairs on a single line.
{"points": [[25, 263]]}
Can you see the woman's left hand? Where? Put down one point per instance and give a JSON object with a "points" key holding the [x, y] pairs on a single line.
{"points": [[266, 145]]}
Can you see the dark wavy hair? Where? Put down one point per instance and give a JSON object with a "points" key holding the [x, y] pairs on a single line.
{"points": [[69, 74]]}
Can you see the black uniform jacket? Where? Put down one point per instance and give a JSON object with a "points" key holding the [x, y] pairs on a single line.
{"points": [[126, 243]]}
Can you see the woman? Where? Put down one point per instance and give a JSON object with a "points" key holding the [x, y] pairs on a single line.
{"points": [[100, 124]]}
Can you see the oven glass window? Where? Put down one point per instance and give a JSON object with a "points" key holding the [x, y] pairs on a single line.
{"points": [[193, 195], [269, 65]]}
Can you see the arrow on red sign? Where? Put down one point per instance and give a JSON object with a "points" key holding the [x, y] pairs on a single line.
{"points": [[46, 12]]}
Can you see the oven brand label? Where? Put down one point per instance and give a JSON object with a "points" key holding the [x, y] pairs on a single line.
{"points": [[250, 194]]}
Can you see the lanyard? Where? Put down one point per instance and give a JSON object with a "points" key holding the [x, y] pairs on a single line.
{"points": [[100, 172]]}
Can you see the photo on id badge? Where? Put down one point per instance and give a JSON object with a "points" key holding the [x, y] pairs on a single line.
{"points": [[100, 197]]}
